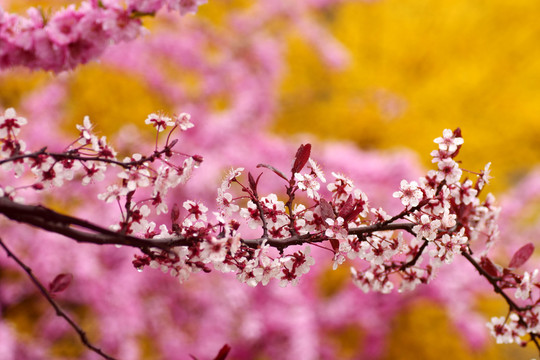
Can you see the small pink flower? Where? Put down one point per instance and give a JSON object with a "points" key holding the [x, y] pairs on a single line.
{"points": [[336, 229], [159, 121], [183, 121], [63, 27], [449, 170], [427, 227], [308, 184], [410, 194], [448, 142], [10, 123]]}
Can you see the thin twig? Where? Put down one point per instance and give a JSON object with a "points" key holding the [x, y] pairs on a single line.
{"points": [[59, 311], [416, 257], [72, 155]]}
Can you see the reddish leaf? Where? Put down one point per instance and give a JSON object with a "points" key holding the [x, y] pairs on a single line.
{"points": [[350, 209], [223, 352], [354, 213], [335, 244], [60, 283], [347, 207], [326, 210], [301, 158], [521, 256], [252, 183], [279, 173], [489, 267]]}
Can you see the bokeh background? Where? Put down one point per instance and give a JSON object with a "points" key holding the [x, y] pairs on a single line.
{"points": [[387, 76]]}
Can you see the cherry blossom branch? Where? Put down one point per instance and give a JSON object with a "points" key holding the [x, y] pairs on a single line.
{"points": [[53, 221], [511, 303], [73, 154], [54, 304], [415, 259], [443, 214], [50, 220], [493, 281], [282, 244], [383, 226]]}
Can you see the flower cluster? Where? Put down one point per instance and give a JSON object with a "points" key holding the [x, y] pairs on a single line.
{"points": [[74, 36], [443, 217], [89, 158]]}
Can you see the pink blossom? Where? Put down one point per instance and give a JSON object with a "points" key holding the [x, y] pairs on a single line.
{"points": [[410, 194], [448, 142], [427, 227], [159, 121], [10, 123], [449, 171]]}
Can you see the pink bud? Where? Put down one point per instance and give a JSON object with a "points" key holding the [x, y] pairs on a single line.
{"points": [[60, 283]]}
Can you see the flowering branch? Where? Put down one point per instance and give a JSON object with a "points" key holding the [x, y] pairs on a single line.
{"points": [[442, 217], [50, 220], [521, 316], [74, 154], [54, 304]]}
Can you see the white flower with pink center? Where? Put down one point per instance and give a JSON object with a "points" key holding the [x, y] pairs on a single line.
{"points": [[427, 227], [183, 121], [308, 184], [10, 123], [449, 171], [409, 194], [336, 229], [448, 142], [523, 290], [225, 202], [316, 170]]}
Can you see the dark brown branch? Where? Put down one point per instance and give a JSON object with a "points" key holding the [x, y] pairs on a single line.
{"points": [[416, 257], [284, 243], [50, 220], [316, 238], [381, 227], [58, 310], [66, 225]]}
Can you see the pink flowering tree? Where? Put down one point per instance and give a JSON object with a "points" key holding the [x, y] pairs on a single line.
{"points": [[267, 222], [76, 35]]}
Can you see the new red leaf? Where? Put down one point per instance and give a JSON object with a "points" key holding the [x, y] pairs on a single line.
{"points": [[326, 210], [301, 158], [347, 207], [489, 267], [223, 352], [521, 256], [252, 183], [335, 244], [60, 283], [354, 213]]}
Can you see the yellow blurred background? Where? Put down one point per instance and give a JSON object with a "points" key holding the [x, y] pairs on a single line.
{"points": [[416, 67], [419, 66]]}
